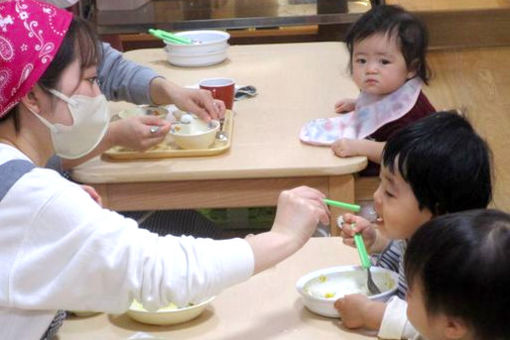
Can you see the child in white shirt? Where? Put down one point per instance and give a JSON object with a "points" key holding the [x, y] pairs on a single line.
{"points": [[458, 271], [436, 166]]}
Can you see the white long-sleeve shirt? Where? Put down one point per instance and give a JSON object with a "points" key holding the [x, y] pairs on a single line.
{"points": [[395, 324], [60, 250]]}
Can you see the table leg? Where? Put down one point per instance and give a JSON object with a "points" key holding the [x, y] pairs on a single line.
{"points": [[341, 188]]}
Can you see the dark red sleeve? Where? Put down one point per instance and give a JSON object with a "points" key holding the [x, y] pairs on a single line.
{"points": [[422, 108]]}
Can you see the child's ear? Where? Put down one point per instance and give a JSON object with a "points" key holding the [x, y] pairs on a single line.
{"points": [[412, 70], [454, 328]]}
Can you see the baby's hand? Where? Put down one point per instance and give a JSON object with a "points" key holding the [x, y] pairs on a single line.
{"points": [[345, 147], [353, 309], [92, 193], [345, 105], [353, 224]]}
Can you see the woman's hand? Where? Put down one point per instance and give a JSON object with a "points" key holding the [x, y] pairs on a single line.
{"points": [[139, 132], [197, 101], [353, 224], [298, 213], [345, 105]]}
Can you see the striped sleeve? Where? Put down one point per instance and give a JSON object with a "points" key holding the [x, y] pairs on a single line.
{"points": [[392, 258]]}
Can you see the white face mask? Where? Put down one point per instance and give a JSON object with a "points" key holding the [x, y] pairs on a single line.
{"points": [[90, 122], [61, 3]]}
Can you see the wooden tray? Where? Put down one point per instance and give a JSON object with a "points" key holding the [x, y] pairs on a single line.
{"points": [[167, 148]]}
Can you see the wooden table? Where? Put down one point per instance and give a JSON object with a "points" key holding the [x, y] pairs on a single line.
{"points": [[265, 307], [296, 83]]}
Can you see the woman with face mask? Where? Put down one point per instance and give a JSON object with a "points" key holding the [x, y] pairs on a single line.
{"points": [[121, 79], [58, 248]]}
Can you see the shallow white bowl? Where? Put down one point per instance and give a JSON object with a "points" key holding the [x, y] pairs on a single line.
{"points": [[143, 110], [167, 316], [208, 41], [195, 135], [211, 49], [195, 60], [321, 288]]}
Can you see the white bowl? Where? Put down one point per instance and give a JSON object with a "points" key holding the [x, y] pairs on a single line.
{"points": [[143, 110], [195, 60], [211, 49], [83, 313], [166, 316], [321, 288], [195, 135], [208, 41]]}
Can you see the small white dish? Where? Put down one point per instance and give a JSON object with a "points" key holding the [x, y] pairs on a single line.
{"points": [[321, 288], [142, 110], [211, 49], [170, 315], [196, 134], [196, 60], [82, 313]]}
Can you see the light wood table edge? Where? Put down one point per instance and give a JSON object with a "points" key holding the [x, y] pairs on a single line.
{"points": [[233, 193]]}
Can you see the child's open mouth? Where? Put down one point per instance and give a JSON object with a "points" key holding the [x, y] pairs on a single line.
{"points": [[379, 220]]}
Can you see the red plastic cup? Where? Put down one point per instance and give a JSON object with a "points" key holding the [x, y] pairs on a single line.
{"points": [[221, 88]]}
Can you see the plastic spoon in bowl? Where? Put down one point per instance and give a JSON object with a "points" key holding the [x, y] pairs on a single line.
{"points": [[365, 262], [164, 35], [343, 205]]}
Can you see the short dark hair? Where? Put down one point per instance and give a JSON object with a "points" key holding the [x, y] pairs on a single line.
{"points": [[446, 163], [80, 42], [79, 34], [410, 32], [462, 262]]}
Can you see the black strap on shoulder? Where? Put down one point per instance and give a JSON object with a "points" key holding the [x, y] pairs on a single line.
{"points": [[10, 172]]}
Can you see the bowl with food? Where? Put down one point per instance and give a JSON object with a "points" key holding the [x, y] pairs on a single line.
{"points": [[321, 288], [144, 110], [190, 132], [169, 315]]}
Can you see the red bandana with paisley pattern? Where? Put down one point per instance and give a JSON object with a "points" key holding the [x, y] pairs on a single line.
{"points": [[30, 35]]}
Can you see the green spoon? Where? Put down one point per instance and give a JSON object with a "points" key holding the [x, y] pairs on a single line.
{"points": [[365, 262], [164, 35], [343, 205]]}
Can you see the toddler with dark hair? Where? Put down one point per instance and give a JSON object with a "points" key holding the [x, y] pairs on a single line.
{"points": [[458, 270], [435, 166], [387, 48]]}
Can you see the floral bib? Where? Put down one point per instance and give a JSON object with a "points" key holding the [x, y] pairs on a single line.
{"points": [[371, 113]]}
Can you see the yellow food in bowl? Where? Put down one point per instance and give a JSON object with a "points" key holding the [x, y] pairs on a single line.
{"points": [[138, 306], [321, 288], [195, 135], [168, 315]]}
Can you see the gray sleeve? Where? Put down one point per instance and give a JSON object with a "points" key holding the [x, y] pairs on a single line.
{"points": [[121, 79]]}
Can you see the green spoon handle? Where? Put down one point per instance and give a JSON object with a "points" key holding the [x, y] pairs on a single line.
{"points": [[362, 251], [348, 206], [169, 37]]}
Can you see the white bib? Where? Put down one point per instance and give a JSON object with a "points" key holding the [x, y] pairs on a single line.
{"points": [[371, 113]]}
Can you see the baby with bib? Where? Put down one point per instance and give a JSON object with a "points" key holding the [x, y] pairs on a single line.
{"points": [[387, 48]]}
